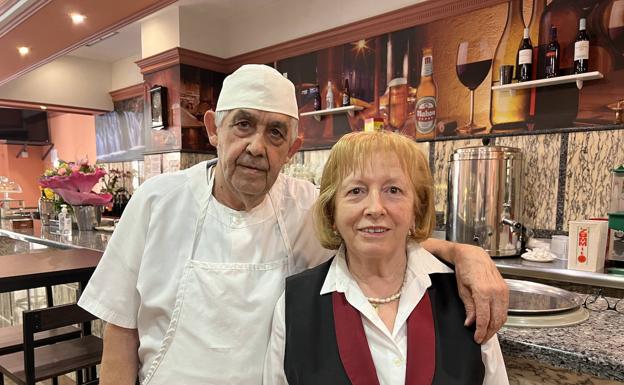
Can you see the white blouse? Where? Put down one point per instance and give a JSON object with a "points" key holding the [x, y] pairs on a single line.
{"points": [[388, 348]]}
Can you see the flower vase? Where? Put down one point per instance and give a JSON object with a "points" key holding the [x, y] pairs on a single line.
{"points": [[87, 217], [47, 211]]}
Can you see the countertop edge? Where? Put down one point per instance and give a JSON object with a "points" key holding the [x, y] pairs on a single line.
{"points": [[576, 362], [567, 275], [42, 241]]}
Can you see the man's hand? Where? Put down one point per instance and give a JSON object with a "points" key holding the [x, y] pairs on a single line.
{"points": [[481, 287]]}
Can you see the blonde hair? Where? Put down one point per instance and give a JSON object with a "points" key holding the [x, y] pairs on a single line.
{"points": [[356, 151]]}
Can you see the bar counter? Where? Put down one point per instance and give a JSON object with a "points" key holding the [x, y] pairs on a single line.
{"points": [[590, 349], [593, 348], [93, 240]]}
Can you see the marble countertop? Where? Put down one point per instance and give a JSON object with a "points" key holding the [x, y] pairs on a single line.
{"points": [[41, 235], [594, 347], [556, 270], [13, 246]]}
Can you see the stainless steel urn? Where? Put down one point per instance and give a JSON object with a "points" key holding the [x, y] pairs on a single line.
{"points": [[484, 204]]}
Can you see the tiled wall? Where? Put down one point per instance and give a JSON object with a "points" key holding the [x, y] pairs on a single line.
{"points": [[591, 157], [566, 176]]}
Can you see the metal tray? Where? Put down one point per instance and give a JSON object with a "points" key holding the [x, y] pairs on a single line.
{"points": [[535, 298]]}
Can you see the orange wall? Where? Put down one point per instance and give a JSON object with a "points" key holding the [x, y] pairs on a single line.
{"points": [[73, 137], [24, 171]]}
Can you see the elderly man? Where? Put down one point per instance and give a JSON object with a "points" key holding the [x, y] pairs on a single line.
{"points": [[190, 278]]}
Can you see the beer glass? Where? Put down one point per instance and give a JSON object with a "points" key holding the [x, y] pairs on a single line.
{"points": [[397, 103]]}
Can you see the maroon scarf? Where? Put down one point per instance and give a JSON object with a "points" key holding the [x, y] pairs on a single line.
{"points": [[355, 353]]}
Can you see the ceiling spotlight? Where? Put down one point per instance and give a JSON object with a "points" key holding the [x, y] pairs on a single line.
{"points": [[43, 107], [23, 50], [77, 18]]}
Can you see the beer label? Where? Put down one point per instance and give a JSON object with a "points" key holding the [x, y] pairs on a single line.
{"points": [[425, 114], [346, 100], [581, 50], [525, 56], [427, 66]]}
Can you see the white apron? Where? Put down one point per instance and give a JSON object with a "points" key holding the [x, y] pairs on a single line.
{"points": [[221, 322]]}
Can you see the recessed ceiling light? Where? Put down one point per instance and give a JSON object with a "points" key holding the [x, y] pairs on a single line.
{"points": [[77, 18], [23, 50], [43, 107]]}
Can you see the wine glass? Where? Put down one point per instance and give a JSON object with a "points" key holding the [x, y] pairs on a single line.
{"points": [[473, 65]]}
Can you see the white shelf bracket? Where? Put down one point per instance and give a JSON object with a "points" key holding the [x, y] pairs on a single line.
{"points": [[579, 84]]}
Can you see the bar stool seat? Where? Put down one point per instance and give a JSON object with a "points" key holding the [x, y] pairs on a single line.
{"points": [[36, 363], [12, 337], [55, 360]]}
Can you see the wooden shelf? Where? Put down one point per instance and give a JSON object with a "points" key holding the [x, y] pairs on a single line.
{"points": [[332, 111], [578, 79], [25, 143]]}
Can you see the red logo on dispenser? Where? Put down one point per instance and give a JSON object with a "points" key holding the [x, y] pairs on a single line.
{"points": [[582, 244]]}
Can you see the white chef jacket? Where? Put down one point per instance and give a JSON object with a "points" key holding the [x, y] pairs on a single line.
{"points": [[135, 283], [388, 349]]}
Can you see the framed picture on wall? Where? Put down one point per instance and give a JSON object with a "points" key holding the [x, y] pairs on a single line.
{"points": [[158, 107]]}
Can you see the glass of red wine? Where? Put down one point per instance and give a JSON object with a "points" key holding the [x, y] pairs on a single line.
{"points": [[473, 65]]}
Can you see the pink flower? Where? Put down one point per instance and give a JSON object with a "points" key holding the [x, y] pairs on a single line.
{"points": [[75, 188]]}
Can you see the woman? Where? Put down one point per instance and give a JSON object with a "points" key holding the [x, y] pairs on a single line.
{"points": [[383, 310]]}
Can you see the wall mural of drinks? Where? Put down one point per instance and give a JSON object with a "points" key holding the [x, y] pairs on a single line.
{"points": [[435, 80]]}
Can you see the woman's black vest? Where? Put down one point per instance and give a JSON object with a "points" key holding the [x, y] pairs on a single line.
{"points": [[311, 353]]}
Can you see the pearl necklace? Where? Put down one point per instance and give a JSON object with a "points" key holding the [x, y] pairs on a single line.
{"points": [[375, 302]]}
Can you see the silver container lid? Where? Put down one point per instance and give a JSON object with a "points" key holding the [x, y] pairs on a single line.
{"points": [[486, 152], [527, 297]]}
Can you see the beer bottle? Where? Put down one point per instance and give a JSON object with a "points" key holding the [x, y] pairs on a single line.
{"points": [[426, 99], [346, 95], [329, 96], [317, 98]]}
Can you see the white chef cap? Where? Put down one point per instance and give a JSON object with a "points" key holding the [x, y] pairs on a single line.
{"points": [[259, 87]]}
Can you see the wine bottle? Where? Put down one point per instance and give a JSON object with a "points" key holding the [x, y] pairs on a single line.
{"points": [[534, 24], [524, 61], [509, 110], [557, 105], [581, 49], [552, 54], [563, 14], [346, 94], [538, 48]]}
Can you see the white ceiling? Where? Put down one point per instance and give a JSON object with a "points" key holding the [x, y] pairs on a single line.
{"points": [[246, 25], [128, 41], [122, 45]]}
